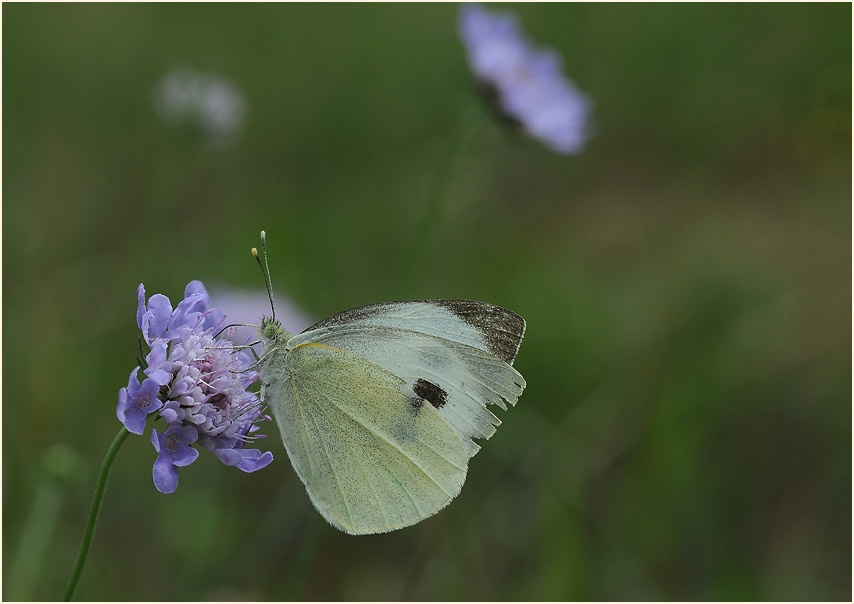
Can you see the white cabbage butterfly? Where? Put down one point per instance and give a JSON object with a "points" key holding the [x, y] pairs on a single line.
{"points": [[378, 405]]}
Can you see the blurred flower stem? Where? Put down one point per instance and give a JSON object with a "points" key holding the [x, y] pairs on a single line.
{"points": [[464, 133], [41, 519], [100, 487], [60, 468]]}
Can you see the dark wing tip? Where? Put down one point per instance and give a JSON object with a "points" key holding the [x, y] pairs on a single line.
{"points": [[502, 329]]}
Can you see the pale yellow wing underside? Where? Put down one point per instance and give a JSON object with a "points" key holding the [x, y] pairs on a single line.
{"points": [[372, 458]]}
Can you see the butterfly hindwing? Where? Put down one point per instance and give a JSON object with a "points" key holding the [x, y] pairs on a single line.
{"points": [[373, 458]]}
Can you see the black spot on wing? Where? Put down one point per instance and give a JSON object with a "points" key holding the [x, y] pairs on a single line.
{"points": [[502, 329], [430, 392]]}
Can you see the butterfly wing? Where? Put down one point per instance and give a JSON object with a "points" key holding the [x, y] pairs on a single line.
{"points": [[480, 325], [455, 354], [373, 459]]}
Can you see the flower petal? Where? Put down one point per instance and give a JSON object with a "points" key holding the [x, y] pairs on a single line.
{"points": [[185, 455], [134, 419], [120, 408], [159, 367], [248, 460], [197, 287], [156, 319], [127, 411], [188, 311], [229, 457], [140, 307], [155, 440], [254, 460], [165, 474]]}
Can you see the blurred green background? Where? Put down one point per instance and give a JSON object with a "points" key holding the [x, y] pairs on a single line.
{"points": [[686, 430]]}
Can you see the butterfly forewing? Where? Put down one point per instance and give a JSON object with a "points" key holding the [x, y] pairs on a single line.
{"points": [[460, 348], [480, 325]]}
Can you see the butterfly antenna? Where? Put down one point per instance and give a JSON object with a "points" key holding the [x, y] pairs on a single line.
{"points": [[266, 274]]}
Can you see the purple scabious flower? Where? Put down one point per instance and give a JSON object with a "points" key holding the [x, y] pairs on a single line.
{"points": [[196, 383], [526, 83]]}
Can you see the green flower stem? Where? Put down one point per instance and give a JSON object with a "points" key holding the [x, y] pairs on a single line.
{"points": [[93, 513], [460, 139]]}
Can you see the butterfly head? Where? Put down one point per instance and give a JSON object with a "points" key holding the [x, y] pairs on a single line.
{"points": [[273, 332]]}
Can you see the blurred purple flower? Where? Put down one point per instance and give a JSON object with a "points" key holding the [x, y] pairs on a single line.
{"points": [[197, 383], [527, 84]]}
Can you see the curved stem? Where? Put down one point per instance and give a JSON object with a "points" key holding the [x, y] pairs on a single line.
{"points": [[100, 487], [460, 138]]}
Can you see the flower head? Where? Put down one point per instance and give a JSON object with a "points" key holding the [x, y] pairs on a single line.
{"points": [[196, 383], [527, 84]]}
